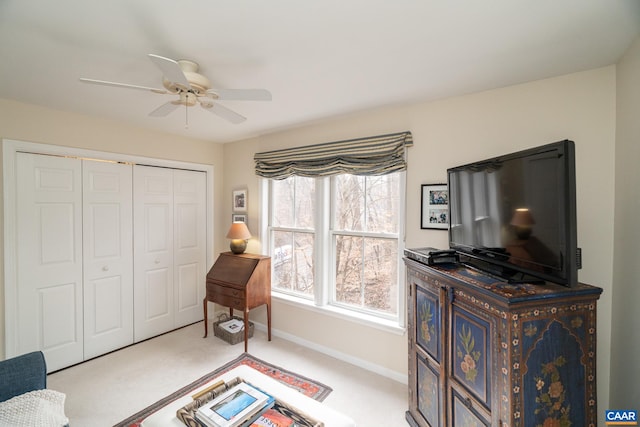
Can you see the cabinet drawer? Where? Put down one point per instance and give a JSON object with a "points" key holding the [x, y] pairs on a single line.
{"points": [[231, 302], [227, 296], [217, 290]]}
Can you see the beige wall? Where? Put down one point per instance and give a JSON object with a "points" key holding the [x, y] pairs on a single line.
{"points": [[625, 341], [31, 123], [454, 131]]}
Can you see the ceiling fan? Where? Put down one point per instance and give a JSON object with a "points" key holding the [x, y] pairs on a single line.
{"points": [[181, 78]]}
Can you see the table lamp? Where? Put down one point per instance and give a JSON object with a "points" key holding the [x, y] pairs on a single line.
{"points": [[239, 234]]}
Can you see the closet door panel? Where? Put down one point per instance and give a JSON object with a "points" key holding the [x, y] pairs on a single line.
{"points": [[153, 251], [189, 245], [49, 258], [108, 256]]}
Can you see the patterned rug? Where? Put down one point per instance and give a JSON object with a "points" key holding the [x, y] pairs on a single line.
{"points": [[304, 385]]}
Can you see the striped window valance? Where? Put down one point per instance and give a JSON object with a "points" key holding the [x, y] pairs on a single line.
{"points": [[375, 155]]}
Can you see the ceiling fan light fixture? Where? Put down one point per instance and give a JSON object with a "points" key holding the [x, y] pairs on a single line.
{"points": [[188, 98], [198, 83]]}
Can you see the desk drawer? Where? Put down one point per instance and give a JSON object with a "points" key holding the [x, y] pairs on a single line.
{"points": [[227, 301], [218, 290], [223, 295]]}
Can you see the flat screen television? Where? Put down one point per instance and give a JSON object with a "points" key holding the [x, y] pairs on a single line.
{"points": [[515, 215]]}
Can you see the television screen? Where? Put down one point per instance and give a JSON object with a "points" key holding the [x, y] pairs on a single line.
{"points": [[516, 214]]}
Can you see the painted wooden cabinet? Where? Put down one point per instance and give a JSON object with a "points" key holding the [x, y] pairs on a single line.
{"points": [[483, 352]]}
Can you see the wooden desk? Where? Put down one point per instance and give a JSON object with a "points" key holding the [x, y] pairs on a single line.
{"points": [[240, 282]]}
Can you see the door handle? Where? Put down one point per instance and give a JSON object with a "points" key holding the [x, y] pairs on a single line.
{"points": [[105, 268]]}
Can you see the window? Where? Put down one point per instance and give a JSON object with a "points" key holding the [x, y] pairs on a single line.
{"points": [[365, 242], [336, 242], [293, 231]]}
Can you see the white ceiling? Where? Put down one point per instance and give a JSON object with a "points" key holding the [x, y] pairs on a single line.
{"points": [[319, 59]]}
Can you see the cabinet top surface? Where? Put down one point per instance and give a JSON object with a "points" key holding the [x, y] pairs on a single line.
{"points": [[508, 292]]}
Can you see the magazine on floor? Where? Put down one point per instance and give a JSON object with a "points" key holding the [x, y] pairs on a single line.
{"points": [[233, 325], [272, 418], [238, 406]]}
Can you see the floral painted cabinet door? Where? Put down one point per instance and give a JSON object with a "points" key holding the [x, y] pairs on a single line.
{"points": [[470, 388], [428, 340], [558, 354], [426, 321]]}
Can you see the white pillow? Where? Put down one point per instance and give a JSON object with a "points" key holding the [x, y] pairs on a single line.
{"points": [[38, 408]]}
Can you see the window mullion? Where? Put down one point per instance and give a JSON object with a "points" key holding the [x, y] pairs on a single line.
{"points": [[362, 272], [323, 242]]}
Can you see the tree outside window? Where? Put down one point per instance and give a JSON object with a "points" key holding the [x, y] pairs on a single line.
{"points": [[293, 234], [365, 227], [363, 237]]}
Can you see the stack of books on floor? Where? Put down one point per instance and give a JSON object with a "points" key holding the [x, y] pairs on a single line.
{"points": [[265, 412], [242, 405]]}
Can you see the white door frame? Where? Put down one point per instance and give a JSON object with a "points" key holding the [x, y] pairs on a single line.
{"points": [[9, 149]]}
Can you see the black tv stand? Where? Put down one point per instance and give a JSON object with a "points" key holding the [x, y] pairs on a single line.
{"points": [[525, 279], [505, 274]]}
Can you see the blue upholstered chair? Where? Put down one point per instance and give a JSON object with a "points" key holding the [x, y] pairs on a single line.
{"points": [[22, 374]]}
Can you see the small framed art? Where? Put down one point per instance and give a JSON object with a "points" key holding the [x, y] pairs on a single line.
{"points": [[434, 207], [239, 217], [240, 200]]}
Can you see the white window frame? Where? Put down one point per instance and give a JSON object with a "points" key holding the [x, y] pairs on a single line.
{"points": [[324, 273]]}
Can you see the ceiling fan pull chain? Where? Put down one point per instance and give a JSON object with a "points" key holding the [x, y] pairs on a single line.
{"points": [[186, 116]]}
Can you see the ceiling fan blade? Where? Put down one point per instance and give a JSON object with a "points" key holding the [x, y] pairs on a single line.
{"points": [[171, 70], [123, 85], [240, 94], [224, 112], [165, 109]]}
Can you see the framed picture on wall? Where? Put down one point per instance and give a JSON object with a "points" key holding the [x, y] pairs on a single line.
{"points": [[240, 200], [434, 207], [239, 217]]}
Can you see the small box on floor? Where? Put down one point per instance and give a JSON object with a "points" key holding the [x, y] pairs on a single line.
{"points": [[231, 329]]}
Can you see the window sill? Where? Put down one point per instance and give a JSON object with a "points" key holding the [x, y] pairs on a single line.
{"points": [[341, 313]]}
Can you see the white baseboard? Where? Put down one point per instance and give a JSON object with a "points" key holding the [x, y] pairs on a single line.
{"points": [[377, 369]]}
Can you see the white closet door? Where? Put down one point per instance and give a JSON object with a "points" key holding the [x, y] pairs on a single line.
{"points": [[153, 251], [49, 253], [189, 196], [107, 256]]}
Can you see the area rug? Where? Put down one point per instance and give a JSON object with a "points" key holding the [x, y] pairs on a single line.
{"points": [[304, 385]]}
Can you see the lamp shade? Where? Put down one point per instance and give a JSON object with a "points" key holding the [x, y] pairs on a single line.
{"points": [[239, 230]]}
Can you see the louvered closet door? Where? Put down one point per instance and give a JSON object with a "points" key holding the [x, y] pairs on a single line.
{"points": [[49, 252], [108, 256], [153, 251], [189, 245]]}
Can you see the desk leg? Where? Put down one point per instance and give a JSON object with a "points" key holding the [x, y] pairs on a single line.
{"points": [[206, 321], [246, 330], [269, 320]]}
